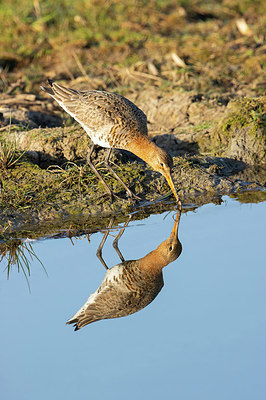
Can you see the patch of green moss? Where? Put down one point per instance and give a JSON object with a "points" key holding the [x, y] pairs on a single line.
{"points": [[245, 118], [249, 197], [244, 112], [71, 186]]}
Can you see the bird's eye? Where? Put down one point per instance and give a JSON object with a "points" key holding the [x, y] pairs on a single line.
{"points": [[162, 164], [170, 248]]}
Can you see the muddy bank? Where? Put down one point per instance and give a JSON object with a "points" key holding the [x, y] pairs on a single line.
{"points": [[182, 123], [49, 222], [217, 148], [58, 197]]}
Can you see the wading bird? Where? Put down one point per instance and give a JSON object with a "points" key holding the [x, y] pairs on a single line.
{"points": [[131, 285], [112, 121]]}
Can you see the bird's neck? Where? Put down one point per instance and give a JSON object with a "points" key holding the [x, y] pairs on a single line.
{"points": [[143, 148], [153, 262]]}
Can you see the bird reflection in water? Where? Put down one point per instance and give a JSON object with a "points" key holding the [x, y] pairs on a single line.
{"points": [[131, 285]]}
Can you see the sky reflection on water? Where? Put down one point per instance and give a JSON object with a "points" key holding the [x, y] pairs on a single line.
{"points": [[203, 337]]}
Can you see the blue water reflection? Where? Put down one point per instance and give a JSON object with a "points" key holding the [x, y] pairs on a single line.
{"points": [[203, 337]]}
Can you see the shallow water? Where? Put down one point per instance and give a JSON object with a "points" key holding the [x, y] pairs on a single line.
{"points": [[203, 337]]}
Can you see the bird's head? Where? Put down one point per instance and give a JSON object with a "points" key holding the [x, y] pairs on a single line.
{"points": [[156, 157], [171, 248], [162, 162]]}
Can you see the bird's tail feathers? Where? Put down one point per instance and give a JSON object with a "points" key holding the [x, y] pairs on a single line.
{"points": [[64, 92], [60, 93], [83, 319], [47, 90]]}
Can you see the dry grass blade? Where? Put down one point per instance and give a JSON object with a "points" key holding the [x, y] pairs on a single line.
{"points": [[178, 61], [9, 155], [19, 254], [243, 27], [81, 68], [152, 69]]}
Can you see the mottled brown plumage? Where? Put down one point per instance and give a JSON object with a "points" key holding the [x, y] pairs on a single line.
{"points": [[112, 121], [131, 285]]}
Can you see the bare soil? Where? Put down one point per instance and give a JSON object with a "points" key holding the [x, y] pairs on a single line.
{"points": [[201, 89]]}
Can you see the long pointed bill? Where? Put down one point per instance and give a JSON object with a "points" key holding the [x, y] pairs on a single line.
{"points": [[176, 225], [171, 184]]}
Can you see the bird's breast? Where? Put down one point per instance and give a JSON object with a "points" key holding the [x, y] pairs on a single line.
{"points": [[101, 137]]}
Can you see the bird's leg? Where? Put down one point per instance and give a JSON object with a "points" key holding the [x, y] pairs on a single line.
{"points": [[115, 242], [108, 166], [89, 161], [100, 248]]}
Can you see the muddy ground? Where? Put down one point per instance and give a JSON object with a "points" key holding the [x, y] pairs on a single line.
{"points": [[203, 99]]}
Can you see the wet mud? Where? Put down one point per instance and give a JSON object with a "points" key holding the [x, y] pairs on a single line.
{"points": [[52, 185]]}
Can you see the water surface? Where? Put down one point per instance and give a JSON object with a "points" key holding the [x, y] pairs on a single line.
{"points": [[203, 337]]}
